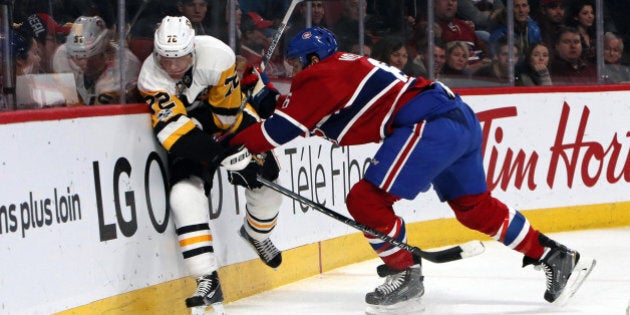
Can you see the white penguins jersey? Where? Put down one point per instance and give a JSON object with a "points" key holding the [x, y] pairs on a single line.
{"points": [[106, 89], [207, 98]]}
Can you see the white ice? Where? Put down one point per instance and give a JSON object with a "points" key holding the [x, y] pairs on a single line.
{"points": [[491, 283]]}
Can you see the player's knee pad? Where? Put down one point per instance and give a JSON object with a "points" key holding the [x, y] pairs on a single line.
{"points": [[371, 205], [480, 212], [188, 202]]}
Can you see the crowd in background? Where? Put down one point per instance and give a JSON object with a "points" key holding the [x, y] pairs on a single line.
{"points": [[554, 42]]}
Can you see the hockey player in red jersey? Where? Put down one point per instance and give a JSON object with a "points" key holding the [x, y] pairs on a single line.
{"points": [[193, 91], [427, 135]]}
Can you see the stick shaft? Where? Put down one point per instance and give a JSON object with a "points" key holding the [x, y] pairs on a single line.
{"points": [[278, 34], [341, 218]]}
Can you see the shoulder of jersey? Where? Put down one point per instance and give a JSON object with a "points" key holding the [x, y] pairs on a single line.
{"points": [[151, 77], [210, 50]]}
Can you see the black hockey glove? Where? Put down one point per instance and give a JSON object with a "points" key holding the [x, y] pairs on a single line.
{"points": [[264, 164]]}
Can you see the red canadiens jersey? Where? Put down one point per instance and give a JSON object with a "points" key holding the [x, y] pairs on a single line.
{"points": [[345, 98]]}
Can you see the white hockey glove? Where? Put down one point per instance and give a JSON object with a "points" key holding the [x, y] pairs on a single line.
{"points": [[237, 160]]}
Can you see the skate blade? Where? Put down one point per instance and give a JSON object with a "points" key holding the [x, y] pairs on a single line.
{"points": [[217, 309], [582, 269], [411, 306], [198, 310]]}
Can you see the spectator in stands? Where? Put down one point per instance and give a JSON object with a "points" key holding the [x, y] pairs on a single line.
{"points": [[526, 30], [454, 29], [367, 50], [346, 29], [272, 10], [26, 52], [550, 20], [255, 43], [533, 69], [297, 22], [298, 19], [48, 35], [581, 15], [481, 14], [89, 54], [568, 67], [138, 41], [196, 11], [617, 12], [393, 51], [499, 69], [439, 57], [222, 25], [614, 71], [241, 65], [456, 63]]}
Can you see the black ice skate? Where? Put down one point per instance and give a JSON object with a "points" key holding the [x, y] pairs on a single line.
{"points": [[208, 292], [565, 270], [400, 294], [267, 252]]}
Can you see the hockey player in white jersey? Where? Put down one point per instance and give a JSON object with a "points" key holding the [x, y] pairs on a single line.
{"points": [[193, 91], [92, 57]]}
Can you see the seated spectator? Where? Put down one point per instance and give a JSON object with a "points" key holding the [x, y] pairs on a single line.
{"points": [[26, 52], [616, 17], [241, 65], [568, 67], [346, 29], [297, 22], [89, 54], [253, 41], [138, 42], [499, 69], [367, 50], [34, 89], [49, 36], [533, 69], [393, 51], [526, 30], [454, 29], [614, 71], [254, 45], [480, 13], [196, 11], [456, 59], [550, 19], [222, 29], [581, 15], [439, 57], [272, 10]]}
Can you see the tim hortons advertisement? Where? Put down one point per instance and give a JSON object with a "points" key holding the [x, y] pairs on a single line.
{"points": [[83, 204]]}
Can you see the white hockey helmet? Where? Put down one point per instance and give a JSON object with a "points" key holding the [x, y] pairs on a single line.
{"points": [[175, 37], [88, 37]]}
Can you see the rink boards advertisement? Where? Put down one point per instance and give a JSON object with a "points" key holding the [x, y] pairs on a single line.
{"points": [[83, 204]]}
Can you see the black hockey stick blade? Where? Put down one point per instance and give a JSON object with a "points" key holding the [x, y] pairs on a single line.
{"points": [[453, 253]]}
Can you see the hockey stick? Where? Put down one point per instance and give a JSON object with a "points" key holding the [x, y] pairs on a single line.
{"points": [[472, 248], [278, 34], [274, 42]]}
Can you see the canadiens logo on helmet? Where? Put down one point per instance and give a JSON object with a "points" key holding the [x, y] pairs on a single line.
{"points": [[306, 35]]}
